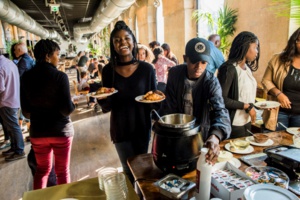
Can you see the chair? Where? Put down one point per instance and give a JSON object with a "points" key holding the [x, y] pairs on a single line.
{"points": [[81, 93]]}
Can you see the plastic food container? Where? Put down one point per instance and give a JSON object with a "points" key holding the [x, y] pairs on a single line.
{"points": [[270, 175], [174, 186]]}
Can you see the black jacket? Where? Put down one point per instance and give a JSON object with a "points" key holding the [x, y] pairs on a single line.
{"points": [[228, 78], [208, 104]]}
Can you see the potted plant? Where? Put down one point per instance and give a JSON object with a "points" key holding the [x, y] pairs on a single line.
{"points": [[225, 22]]}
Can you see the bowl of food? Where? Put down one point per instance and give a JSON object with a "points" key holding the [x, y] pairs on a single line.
{"points": [[240, 144], [260, 138], [269, 175], [224, 156]]}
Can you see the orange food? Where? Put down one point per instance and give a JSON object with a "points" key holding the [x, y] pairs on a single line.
{"points": [[104, 90], [153, 96]]}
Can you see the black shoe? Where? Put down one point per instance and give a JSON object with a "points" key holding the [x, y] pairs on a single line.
{"points": [[15, 156], [8, 152]]}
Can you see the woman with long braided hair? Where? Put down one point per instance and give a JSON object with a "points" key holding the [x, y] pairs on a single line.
{"points": [[238, 84], [130, 122]]}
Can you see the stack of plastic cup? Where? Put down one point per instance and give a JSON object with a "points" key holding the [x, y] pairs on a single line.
{"points": [[115, 187], [104, 173]]}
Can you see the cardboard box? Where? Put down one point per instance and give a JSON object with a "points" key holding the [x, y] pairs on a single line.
{"points": [[220, 191]]}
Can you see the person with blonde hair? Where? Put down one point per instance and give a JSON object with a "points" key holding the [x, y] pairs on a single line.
{"points": [[145, 54]]}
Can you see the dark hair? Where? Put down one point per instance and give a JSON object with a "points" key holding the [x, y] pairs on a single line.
{"points": [[286, 57], [167, 48], [120, 25], [82, 61], [239, 49], [12, 51], [43, 48], [83, 74], [157, 51], [153, 44]]}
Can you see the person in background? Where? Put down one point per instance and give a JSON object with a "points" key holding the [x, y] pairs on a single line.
{"points": [[282, 82], [9, 106], [193, 90], [25, 63], [168, 53], [145, 54], [217, 58], [238, 84], [153, 45], [82, 66], [162, 66], [46, 100], [130, 122]]}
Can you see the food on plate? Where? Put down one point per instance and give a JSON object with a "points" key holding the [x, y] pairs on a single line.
{"points": [[224, 156], [263, 105], [241, 144], [104, 90], [260, 138], [154, 96], [298, 130]]}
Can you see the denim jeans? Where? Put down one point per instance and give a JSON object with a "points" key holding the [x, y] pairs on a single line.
{"points": [[10, 120], [6, 135], [128, 149], [288, 120]]}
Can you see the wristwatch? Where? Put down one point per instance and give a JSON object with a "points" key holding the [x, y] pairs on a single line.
{"points": [[247, 110]]}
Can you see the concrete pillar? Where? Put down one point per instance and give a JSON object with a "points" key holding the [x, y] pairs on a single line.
{"points": [[15, 33], [2, 40], [180, 27]]}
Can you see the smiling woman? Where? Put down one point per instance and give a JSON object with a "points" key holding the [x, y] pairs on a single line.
{"points": [[130, 121]]}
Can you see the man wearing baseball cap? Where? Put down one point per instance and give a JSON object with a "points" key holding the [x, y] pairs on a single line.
{"points": [[191, 89]]}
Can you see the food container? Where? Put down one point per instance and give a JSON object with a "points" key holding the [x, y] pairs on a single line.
{"points": [[174, 186], [224, 156], [177, 120], [260, 138], [269, 175], [241, 144]]}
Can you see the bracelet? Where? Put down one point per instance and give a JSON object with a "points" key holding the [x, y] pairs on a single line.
{"points": [[247, 110], [278, 94]]}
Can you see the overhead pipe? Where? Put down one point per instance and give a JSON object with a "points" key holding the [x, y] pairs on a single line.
{"points": [[105, 14], [12, 14]]}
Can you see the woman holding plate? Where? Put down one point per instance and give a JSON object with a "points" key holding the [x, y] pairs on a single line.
{"points": [[130, 122], [238, 84], [282, 82]]}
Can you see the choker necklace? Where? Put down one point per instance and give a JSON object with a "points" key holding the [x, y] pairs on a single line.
{"points": [[119, 63]]}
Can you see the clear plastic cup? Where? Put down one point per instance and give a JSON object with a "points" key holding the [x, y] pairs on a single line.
{"points": [[115, 187], [104, 173]]}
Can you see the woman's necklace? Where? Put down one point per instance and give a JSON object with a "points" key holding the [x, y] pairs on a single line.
{"points": [[132, 61]]}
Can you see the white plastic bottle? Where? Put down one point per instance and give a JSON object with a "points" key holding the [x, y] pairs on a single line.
{"points": [[203, 178]]}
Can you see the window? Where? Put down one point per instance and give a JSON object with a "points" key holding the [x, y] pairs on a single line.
{"points": [[160, 32]]}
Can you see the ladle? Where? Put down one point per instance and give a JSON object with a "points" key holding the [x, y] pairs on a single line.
{"points": [[160, 119]]}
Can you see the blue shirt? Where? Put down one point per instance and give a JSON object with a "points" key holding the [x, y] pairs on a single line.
{"points": [[216, 58], [9, 84]]}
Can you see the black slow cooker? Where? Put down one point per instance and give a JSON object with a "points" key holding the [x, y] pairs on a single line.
{"points": [[176, 143]]}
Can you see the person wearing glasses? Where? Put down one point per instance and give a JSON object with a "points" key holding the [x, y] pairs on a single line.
{"points": [[238, 84], [282, 82], [193, 90]]}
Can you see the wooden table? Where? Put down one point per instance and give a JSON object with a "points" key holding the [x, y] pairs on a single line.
{"points": [[146, 173], [82, 190]]}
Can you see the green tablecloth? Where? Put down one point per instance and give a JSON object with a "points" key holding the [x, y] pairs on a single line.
{"points": [[81, 190]]}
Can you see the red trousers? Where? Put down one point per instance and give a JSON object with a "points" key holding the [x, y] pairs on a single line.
{"points": [[44, 149]]}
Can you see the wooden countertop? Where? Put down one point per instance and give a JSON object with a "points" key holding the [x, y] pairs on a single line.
{"points": [[146, 173]]}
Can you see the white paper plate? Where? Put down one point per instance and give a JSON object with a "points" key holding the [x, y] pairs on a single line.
{"points": [[269, 104], [269, 142], [268, 191], [248, 150], [104, 94], [141, 100], [293, 130]]}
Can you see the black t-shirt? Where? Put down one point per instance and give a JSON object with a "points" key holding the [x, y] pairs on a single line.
{"points": [[291, 88]]}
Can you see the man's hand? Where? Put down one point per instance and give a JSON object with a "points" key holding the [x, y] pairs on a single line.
{"points": [[212, 143]]}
